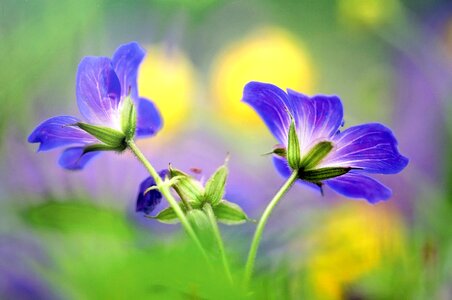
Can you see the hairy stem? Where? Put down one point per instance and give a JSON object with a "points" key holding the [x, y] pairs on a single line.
{"points": [[213, 221], [164, 189], [261, 225]]}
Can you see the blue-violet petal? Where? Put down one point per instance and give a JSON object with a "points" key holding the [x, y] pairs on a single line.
{"points": [[74, 159], [149, 120], [57, 131], [126, 61], [356, 185], [269, 101], [98, 91]]}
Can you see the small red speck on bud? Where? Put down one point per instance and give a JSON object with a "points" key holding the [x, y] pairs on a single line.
{"points": [[196, 170]]}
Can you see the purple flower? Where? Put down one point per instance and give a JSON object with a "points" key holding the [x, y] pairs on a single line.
{"points": [[105, 90], [147, 202], [327, 156]]}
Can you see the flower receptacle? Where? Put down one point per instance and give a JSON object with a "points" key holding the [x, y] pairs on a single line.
{"points": [[194, 197]]}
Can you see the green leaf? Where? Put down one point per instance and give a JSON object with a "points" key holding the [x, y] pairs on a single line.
{"points": [[229, 213], [293, 148], [128, 118], [74, 216], [215, 185], [319, 175], [109, 136], [186, 187], [315, 155]]}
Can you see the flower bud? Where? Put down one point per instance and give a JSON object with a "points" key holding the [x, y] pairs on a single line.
{"points": [[187, 187]]}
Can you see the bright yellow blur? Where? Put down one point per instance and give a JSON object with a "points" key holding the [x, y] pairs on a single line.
{"points": [[167, 77], [269, 55], [367, 12], [351, 241]]}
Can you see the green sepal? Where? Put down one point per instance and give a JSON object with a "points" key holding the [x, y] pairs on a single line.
{"points": [[102, 147], [293, 148], [187, 187], [198, 219], [280, 151], [229, 213], [128, 118], [201, 224], [315, 155], [321, 174], [166, 182], [109, 136], [215, 186], [168, 215]]}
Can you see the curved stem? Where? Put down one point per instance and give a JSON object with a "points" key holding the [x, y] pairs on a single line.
{"points": [[261, 225], [213, 221], [163, 188]]}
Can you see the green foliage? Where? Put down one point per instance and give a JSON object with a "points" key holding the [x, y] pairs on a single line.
{"points": [[106, 257], [76, 217], [34, 47]]}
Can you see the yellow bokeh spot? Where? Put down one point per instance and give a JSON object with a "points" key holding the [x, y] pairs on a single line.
{"points": [[167, 77], [352, 241], [269, 55], [367, 12]]}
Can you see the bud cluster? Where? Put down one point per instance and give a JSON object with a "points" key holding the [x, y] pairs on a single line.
{"points": [[195, 197]]}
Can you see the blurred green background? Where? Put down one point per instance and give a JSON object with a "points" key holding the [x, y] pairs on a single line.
{"points": [[75, 235]]}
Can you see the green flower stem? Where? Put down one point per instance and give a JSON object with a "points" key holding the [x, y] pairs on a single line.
{"points": [[213, 221], [164, 189], [261, 225]]}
